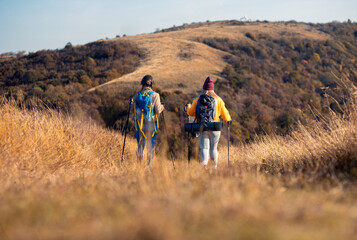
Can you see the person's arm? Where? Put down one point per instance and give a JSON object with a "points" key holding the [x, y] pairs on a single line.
{"points": [[158, 107], [191, 109], [224, 112]]}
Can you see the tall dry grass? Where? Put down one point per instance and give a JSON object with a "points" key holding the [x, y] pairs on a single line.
{"points": [[61, 178], [319, 151], [324, 149], [47, 141]]}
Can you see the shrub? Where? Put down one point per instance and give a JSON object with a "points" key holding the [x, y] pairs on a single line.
{"points": [[327, 80], [31, 76], [85, 80], [251, 36]]}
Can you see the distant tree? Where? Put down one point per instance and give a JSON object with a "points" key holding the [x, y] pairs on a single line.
{"points": [[327, 80], [20, 53], [68, 45], [85, 80], [32, 76], [285, 121], [36, 91], [46, 59], [316, 57], [20, 72]]}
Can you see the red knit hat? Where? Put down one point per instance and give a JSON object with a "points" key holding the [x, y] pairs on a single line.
{"points": [[208, 85]]}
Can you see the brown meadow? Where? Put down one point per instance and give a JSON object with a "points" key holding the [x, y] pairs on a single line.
{"points": [[62, 179]]}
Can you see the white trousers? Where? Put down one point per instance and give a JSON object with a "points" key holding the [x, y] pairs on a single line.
{"points": [[208, 146]]}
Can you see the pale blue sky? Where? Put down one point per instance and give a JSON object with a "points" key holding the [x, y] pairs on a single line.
{"points": [[33, 25]]}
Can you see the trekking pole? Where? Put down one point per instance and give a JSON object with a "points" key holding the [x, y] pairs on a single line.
{"points": [[182, 127], [228, 137], [167, 139], [188, 136], [189, 145], [126, 129]]}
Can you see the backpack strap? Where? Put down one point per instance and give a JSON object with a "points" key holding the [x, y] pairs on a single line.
{"points": [[141, 125], [156, 126], [148, 93]]}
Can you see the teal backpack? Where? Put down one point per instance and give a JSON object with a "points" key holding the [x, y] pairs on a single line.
{"points": [[144, 105]]}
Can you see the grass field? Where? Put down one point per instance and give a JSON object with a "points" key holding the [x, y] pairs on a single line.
{"points": [[61, 178]]}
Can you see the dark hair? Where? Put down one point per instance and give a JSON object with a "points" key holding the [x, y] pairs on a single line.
{"points": [[147, 81]]}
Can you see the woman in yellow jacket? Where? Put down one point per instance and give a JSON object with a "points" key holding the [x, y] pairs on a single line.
{"points": [[209, 139]]}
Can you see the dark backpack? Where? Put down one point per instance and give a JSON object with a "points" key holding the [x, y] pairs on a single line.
{"points": [[205, 109]]}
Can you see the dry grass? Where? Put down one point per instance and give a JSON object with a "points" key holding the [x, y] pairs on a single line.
{"points": [[61, 179], [176, 57], [326, 149]]}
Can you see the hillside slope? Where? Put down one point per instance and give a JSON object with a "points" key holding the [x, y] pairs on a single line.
{"points": [[177, 60], [270, 75]]}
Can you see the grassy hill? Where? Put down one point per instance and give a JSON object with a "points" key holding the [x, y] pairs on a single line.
{"points": [[272, 75], [177, 56]]}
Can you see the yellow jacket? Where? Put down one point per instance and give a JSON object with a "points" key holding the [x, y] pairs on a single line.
{"points": [[219, 111]]}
